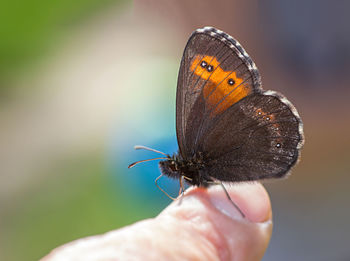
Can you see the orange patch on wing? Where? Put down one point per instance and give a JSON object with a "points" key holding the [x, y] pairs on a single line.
{"points": [[218, 93]]}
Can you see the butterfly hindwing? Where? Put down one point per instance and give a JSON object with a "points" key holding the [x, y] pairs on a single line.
{"points": [[257, 138]]}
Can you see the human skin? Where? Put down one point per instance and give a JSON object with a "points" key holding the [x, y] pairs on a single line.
{"points": [[203, 225]]}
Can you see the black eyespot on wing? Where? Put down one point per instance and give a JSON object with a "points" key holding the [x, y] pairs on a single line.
{"points": [[231, 81], [204, 64]]}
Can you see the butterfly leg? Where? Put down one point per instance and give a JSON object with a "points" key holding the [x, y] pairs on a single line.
{"points": [[156, 182], [182, 189], [189, 179], [230, 199], [215, 182]]}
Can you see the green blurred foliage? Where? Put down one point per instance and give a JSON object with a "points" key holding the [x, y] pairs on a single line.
{"points": [[28, 30], [76, 198]]}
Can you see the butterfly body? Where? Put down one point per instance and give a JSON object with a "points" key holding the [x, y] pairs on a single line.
{"points": [[193, 170]]}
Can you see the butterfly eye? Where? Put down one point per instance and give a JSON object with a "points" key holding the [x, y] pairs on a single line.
{"points": [[210, 68], [231, 81], [204, 64]]}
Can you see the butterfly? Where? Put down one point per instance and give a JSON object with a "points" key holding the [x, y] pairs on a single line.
{"points": [[228, 128]]}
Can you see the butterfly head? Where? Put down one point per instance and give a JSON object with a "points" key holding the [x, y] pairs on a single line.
{"points": [[171, 167]]}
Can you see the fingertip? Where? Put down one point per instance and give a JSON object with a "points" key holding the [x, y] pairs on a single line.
{"points": [[251, 198]]}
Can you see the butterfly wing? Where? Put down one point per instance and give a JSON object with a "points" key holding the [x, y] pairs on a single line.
{"points": [[222, 113], [257, 138], [215, 73]]}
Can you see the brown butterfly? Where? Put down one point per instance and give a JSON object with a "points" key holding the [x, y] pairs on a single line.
{"points": [[228, 128]]}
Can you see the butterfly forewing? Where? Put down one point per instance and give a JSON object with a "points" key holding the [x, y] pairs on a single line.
{"points": [[214, 75]]}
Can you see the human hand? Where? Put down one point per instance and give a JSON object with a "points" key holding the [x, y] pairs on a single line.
{"points": [[204, 225]]}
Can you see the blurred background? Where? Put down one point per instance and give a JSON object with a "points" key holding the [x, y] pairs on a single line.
{"points": [[83, 81]]}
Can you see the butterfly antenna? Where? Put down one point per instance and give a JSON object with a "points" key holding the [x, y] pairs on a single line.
{"points": [[140, 161], [140, 147]]}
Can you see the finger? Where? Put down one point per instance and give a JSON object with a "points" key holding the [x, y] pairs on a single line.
{"points": [[203, 226], [213, 224]]}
